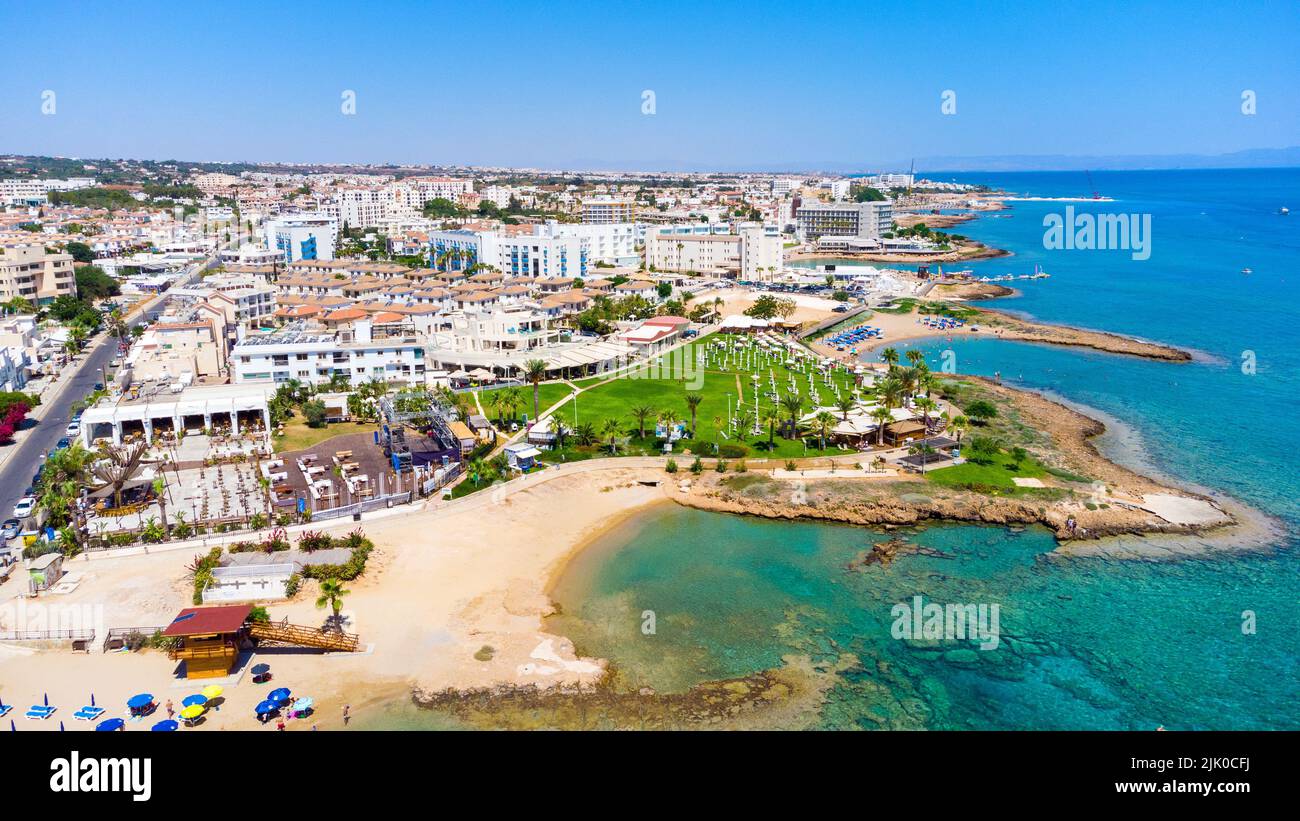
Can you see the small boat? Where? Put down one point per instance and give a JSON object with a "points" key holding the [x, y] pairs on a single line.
{"points": [[1246, 271], [1284, 210]]}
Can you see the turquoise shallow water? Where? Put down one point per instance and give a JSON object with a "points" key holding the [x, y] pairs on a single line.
{"points": [[1092, 643]]}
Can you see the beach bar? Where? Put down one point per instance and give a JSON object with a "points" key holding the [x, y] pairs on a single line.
{"points": [[207, 638]]}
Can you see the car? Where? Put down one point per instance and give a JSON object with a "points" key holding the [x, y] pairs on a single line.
{"points": [[10, 528], [24, 507], [99, 386], [74, 427], [65, 442]]}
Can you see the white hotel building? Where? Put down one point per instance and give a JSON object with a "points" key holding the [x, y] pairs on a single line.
{"points": [[302, 236], [313, 357], [555, 250], [752, 253]]}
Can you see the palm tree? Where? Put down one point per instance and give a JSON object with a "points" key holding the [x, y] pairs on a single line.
{"points": [[771, 417], [793, 404], [924, 450], [959, 424], [585, 433], [121, 462], [611, 428], [915, 357], [667, 418], [535, 372], [331, 596], [641, 413], [845, 404], [883, 417], [160, 490], [693, 401], [890, 357], [926, 405], [562, 432], [890, 391], [476, 469], [823, 422], [744, 423], [512, 399]]}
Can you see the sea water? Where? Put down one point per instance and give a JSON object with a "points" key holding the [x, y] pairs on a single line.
{"points": [[1195, 643]]}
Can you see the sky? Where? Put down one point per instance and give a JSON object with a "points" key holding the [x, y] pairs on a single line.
{"points": [[756, 85]]}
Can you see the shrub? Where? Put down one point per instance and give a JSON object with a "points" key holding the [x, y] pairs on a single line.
{"points": [[312, 540], [135, 640], [790, 465], [257, 521], [670, 466], [741, 467], [259, 615], [731, 450], [721, 466], [292, 584], [697, 467]]}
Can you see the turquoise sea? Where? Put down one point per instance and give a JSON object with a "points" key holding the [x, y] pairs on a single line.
{"points": [[1087, 643]]}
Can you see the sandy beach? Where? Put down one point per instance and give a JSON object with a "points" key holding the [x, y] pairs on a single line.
{"points": [[441, 586]]}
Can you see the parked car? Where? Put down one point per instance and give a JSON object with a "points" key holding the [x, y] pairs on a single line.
{"points": [[24, 507], [74, 427], [10, 528], [99, 386], [65, 442]]}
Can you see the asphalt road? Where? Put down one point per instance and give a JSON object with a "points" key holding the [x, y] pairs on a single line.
{"points": [[17, 472]]}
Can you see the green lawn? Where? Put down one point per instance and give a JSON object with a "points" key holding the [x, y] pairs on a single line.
{"points": [[997, 474], [548, 394], [298, 436], [653, 386]]}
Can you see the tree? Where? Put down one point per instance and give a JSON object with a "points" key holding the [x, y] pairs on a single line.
{"points": [[93, 283], [641, 413], [824, 421], [984, 449], [845, 404], [770, 419], [693, 401], [926, 405], [120, 463], [534, 373], [612, 429], [160, 490], [981, 410], [314, 413], [922, 449], [81, 252], [768, 306], [331, 595], [793, 404], [890, 357], [958, 425], [883, 418]]}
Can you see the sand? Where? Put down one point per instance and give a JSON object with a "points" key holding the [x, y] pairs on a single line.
{"points": [[442, 584]]}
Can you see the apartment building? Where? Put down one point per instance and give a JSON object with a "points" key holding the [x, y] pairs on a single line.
{"points": [[607, 211], [361, 353], [302, 236], [844, 219], [28, 271], [751, 252]]}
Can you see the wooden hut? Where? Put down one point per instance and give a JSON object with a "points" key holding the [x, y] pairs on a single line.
{"points": [[207, 638]]}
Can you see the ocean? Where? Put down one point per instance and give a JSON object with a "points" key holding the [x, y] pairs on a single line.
{"points": [[1197, 643]]}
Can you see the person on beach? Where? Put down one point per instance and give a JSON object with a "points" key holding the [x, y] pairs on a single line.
{"points": [[171, 711], [347, 714], [279, 725]]}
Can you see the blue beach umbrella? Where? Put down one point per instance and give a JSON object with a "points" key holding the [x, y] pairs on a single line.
{"points": [[280, 695], [164, 726], [266, 707], [194, 699], [140, 701], [110, 725], [260, 669]]}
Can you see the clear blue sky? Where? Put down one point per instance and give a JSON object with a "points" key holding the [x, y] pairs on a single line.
{"points": [[753, 84]]}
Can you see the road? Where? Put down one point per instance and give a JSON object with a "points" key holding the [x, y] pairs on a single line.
{"points": [[18, 470]]}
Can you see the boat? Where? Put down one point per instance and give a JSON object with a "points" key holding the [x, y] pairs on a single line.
{"points": [[1284, 210], [1246, 271]]}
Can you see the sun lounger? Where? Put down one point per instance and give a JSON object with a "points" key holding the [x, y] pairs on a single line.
{"points": [[4, 709], [88, 713], [39, 711]]}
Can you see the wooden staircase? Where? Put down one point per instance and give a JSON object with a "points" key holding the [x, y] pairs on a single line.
{"points": [[293, 634]]}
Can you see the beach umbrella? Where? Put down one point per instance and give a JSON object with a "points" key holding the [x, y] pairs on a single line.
{"points": [[110, 725], [211, 691], [192, 712], [304, 703], [165, 726], [140, 701], [266, 707], [195, 699], [260, 669], [279, 695]]}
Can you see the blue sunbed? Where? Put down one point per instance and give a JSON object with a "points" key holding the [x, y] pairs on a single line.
{"points": [[40, 711], [88, 713]]}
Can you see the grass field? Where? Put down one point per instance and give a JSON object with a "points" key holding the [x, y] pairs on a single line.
{"points": [[297, 436], [722, 385], [548, 394], [997, 474]]}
